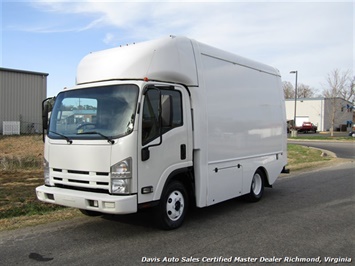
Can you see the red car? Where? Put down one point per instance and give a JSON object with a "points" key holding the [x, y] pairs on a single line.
{"points": [[307, 127]]}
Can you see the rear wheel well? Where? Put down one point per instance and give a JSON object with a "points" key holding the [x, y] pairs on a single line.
{"points": [[266, 176]]}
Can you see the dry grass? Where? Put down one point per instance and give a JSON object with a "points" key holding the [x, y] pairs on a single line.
{"points": [[21, 172], [21, 146], [18, 196], [24, 152]]}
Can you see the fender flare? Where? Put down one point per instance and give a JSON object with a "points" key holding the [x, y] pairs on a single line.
{"points": [[184, 175]]}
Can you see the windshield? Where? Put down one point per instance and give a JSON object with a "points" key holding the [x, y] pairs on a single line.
{"points": [[94, 113]]}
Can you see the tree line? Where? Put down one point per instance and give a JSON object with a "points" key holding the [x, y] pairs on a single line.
{"points": [[339, 84]]}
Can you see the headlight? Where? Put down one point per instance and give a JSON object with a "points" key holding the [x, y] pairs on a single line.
{"points": [[120, 186], [121, 175], [46, 172]]}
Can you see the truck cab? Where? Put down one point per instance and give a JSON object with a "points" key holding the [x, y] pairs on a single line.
{"points": [[101, 137]]}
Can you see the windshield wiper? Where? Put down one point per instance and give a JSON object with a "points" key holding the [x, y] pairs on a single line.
{"points": [[110, 140], [63, 136]]}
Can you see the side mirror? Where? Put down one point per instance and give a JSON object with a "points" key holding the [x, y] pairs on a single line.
{"points": [[47, 107]]}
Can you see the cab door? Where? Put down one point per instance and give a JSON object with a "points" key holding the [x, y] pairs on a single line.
{"points": [[164, 138]]}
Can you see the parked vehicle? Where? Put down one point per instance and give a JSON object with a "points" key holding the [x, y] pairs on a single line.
{"points": [[307, 127], [167, 124]]}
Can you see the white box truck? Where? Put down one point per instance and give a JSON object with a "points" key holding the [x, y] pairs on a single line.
{"points": [[166, 123]]}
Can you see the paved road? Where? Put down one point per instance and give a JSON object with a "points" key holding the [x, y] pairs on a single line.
{"points": [[341, 149], [305, 216]]}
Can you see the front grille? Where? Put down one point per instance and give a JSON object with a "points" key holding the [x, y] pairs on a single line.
{"points": [[81, 180], [83, 189], [78, 172], [78, 181], [102, 173]]}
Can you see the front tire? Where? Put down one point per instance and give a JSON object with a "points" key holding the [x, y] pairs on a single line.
{"points": [[173, 206], [257, 186]]}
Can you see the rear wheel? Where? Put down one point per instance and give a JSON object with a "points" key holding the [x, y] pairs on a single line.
{"points": [[257, 186], [173, 206]]}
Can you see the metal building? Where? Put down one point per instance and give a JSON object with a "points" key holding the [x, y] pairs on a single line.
{"points": [[21, 96], [320, 111]]}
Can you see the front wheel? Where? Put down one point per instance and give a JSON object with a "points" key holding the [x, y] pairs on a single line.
{"points": [[257, 186], [173, 206]]}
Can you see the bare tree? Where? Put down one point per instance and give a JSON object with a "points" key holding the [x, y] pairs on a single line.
{"points": [[303, 91], [289, 90], [348, 93], [339, 85]]}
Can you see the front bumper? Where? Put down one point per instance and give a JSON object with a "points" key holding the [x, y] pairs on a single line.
{"points": [[88, 201]]}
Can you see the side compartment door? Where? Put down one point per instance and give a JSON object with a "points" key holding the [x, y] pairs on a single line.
{"points": [[225, 181], [164, 139]]}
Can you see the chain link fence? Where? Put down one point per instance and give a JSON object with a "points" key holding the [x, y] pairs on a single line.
{"points": [[31, 128], [21, 128]]}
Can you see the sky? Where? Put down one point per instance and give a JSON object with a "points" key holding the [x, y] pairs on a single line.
{"points": [[313, 38]]}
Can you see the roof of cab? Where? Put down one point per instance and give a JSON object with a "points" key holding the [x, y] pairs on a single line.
{"points": [[168, 59]]}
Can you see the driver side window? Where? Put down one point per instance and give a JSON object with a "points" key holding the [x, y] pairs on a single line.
{"points": [[152, 124]]}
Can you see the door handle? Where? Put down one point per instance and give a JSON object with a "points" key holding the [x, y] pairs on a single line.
{"points": [[182, 151]]}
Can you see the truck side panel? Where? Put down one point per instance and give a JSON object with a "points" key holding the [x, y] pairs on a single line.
{"points": [[244, 111], [243, 127]]}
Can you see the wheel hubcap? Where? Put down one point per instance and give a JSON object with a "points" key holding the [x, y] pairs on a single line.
{"points": [[256, 184], [175, 205]]}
